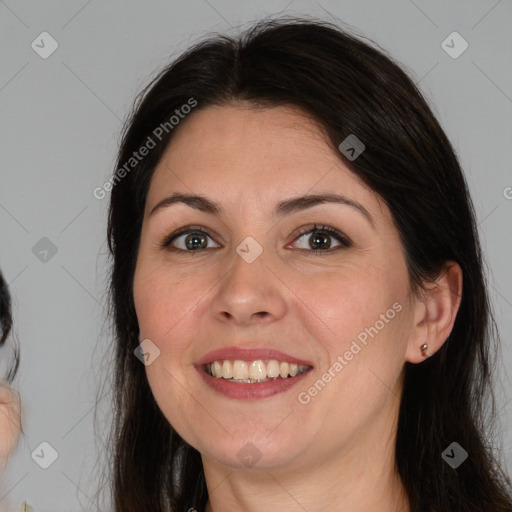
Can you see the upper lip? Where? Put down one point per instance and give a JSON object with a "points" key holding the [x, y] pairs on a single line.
{"points": [[250, 354]]}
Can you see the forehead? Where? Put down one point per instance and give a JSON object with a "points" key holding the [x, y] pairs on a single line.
{"points": [[244, 155]]}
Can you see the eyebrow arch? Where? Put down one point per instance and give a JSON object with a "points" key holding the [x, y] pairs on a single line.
{"points": [[283, 208]]}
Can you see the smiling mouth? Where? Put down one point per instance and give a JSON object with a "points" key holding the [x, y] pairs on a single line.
{"points": [[251, 372]]}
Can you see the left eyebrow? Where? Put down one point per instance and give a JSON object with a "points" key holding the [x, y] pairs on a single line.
{"points": [[283, 208], [303, 202]]}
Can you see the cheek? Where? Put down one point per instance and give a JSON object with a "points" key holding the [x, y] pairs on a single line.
{"points": [[162, 298], [166, 316], [360, 316], [162, 303], [345, 301]]}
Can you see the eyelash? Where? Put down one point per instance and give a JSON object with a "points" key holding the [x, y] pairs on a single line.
{"points": [[344, 240]]}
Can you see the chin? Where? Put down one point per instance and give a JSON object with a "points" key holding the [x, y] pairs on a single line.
{"points": [[255, 452]]}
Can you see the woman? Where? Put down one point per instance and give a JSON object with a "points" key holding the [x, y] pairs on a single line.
{"points": [[296, 263], [10, 411]]}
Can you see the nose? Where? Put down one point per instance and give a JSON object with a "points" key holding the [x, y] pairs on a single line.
{"points": [[249, 293]]}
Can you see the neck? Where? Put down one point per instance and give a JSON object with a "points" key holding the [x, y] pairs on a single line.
{"points": [[359, 477]]}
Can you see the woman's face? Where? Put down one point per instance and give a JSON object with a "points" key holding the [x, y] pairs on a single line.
{"points": [[253, 285]]}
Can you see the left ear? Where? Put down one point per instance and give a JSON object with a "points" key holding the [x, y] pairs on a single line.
{"points": [[435, 313]]}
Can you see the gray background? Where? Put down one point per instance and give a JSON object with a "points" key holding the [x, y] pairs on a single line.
{"points": [[60, 123]]}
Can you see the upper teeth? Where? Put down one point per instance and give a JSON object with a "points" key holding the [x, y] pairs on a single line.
{"points": [[255, 370]]}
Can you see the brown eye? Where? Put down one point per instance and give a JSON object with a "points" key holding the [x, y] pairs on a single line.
{"points": [[187, 240], [319, 239], [194, 239]]}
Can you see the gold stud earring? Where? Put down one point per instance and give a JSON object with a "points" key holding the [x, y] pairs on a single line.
{"points": [[423, 349]]}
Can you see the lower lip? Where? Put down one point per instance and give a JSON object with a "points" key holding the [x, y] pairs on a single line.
{"points": [[246, 391]]}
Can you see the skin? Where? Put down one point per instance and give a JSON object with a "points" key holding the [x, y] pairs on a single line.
{"points": [[10, 421], [337, 451]]}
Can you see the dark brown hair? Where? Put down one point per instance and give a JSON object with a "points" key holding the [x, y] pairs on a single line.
{"points": [[349, 87], [6, 326]]}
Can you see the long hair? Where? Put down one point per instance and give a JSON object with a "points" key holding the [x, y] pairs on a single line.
{"points": [[349, 87]]}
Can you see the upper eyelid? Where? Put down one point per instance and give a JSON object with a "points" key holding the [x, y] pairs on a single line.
{"points": [[331, 231]]}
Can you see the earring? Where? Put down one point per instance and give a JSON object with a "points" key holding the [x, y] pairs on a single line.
{"points": [[423, 349]]}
